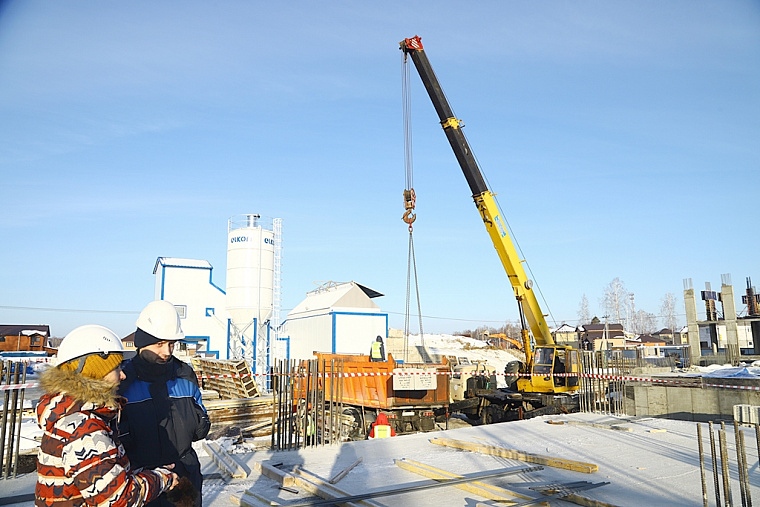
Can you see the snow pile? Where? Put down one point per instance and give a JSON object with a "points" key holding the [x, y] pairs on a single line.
{"points": [[464, 346]]}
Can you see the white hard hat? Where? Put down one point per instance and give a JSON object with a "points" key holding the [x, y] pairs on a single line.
{"points": [[161, 320], [89, 339]]}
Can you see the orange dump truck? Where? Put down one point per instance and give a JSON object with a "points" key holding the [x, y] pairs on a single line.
{"points": [[360, 389]]}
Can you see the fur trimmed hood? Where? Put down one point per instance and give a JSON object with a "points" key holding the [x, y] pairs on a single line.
{"points": [[83, 389]]}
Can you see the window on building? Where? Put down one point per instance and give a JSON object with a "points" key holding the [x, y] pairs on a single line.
{"points": [[2, 338], [181, 310], [35, 340]]}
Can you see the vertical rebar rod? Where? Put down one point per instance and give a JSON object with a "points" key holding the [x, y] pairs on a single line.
{"points": [[313, 397], [724, 466], [332, 400], [287, 406], [739, 464], [276, 408], [323, 400], [340, 397], [306, 400], [274, 398], [281, 407], [745, 470], [714, 453], [702, 465], [20, 420], [5, 370], [12, 419]]}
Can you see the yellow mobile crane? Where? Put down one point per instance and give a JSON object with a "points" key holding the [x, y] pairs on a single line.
{"points": [[550, 372]]}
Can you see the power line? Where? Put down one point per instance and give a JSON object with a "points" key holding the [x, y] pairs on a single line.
{"points": [[67, 310]]}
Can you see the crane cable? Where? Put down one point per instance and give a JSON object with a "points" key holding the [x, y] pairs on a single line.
{"points": [[409, 207]]}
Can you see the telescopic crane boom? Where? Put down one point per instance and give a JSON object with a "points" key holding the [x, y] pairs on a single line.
{"points": [[530, 311]]}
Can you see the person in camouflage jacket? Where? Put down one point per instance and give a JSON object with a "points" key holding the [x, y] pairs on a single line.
{"points": [[80, 461]]}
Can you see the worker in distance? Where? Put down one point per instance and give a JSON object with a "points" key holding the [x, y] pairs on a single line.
{"points": [[377, 350]]}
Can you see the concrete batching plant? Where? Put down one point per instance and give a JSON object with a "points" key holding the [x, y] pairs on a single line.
{"points": [[253, 261], [241, 322]]}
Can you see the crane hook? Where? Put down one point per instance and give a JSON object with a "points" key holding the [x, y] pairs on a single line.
{"points": [[410, 199]]}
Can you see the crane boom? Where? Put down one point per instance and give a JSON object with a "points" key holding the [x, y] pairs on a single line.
{"points": [[530, 310]]}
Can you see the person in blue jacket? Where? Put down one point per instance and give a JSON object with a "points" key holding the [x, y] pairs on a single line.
{"points": [[164, 413]]}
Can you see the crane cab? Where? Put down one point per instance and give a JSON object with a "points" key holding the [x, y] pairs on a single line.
{"points": [[554, 369]]}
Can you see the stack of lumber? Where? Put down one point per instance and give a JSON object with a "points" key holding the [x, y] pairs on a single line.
{"points": [[252, 415], [231, 378]]}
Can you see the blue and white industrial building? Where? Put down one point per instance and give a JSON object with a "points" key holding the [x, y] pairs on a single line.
{"points": [[243, 320]]}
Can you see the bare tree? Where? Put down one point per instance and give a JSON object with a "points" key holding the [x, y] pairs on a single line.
{"points": [[668, 311], [645, 323], [615, 299], [584, 317]]}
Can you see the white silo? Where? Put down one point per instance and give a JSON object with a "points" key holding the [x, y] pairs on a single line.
{"points": [[252, 262]]}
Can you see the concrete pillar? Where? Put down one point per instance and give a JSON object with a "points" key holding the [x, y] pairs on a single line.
{"points": [[690, 302], [729, 315]]}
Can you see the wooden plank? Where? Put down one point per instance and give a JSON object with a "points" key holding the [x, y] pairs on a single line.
{"points": [[576, 466], [476, 487], [257, 426], [274, 473], [224, 461], [337, 477], [568, 494], [250, 499]]}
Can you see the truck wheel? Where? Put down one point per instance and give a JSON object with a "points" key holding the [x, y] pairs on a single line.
{"points": [[354, 431], [492, 414], [427, 423]]}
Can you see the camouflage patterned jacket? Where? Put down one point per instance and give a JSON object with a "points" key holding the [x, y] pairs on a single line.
{"points": [[80, 460]]}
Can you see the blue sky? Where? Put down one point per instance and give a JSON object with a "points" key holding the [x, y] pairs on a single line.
{"points": [[622, 139]]}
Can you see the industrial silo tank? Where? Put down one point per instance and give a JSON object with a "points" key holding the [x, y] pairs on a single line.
{"points": [[250, 268]]}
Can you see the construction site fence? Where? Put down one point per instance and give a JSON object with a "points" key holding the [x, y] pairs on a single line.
{"points": [[13, 380], [308, 408]]}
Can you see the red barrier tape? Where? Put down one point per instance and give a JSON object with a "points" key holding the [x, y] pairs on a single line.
{"points": [[385, 374]]}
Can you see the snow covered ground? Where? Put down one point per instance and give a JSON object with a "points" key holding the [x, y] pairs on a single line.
{"points": [[646, 461]]}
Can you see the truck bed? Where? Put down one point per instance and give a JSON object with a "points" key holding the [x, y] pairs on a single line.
{"points": [[371, 384]]}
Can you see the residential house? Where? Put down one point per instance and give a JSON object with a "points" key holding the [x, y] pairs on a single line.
{"points": [[566, 335], [601, 336], [24, 338]]}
